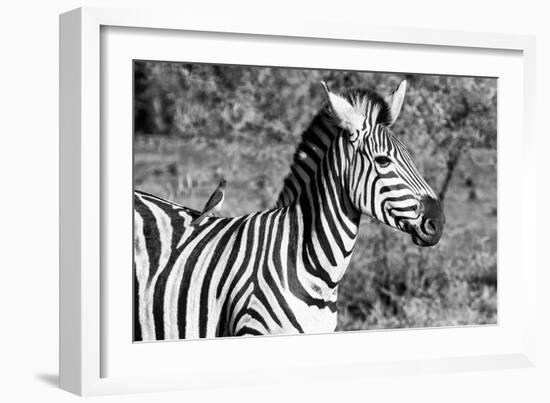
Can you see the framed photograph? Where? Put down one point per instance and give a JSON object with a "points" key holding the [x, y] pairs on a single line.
{"points": [[238, 198]]}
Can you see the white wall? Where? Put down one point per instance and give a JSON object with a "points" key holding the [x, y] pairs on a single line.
{"points": [[29, 202]]}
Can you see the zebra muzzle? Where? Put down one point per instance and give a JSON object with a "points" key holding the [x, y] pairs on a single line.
{"points": [[427, 228]]}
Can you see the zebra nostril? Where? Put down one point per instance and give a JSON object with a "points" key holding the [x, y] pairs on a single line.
{"points": [[430, 226]]}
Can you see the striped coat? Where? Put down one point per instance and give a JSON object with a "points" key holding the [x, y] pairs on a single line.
{"points": [[272, 272]]}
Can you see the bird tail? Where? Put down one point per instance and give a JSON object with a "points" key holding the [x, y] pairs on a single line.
{"points": [[199, 219]]}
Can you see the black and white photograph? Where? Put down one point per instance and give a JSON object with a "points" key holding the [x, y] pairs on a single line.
{"points": [[280, 201], [297, 201]]}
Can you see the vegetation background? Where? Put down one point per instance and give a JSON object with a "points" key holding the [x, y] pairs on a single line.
{"points": [[195, 123]]}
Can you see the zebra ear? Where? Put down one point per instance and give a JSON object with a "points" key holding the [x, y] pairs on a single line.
{"points": [[395, 101], [349, 118]]}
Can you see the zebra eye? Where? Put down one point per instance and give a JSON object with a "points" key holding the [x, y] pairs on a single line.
{"points": [[382, 161]]}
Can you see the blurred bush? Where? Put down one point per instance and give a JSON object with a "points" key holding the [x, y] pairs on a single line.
{"points": [[196, 122]]}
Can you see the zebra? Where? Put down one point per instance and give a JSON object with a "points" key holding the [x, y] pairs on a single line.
{"points": [[277, 271]]}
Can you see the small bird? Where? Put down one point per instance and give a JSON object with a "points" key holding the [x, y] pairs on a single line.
{"points": [[213, 205]]}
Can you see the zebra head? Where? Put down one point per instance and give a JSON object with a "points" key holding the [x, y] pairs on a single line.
{"points": [[381, 178]]}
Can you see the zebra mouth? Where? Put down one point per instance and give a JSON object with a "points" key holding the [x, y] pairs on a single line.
{"points": [[417, 240], [416, 234]]}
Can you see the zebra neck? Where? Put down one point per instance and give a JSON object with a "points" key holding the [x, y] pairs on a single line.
{"points": [[308, 157], [330, 222]]}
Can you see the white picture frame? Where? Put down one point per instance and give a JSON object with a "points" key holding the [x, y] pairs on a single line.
{"points": [[84, 198]]}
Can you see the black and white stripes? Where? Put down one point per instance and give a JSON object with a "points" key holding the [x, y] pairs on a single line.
{"points": [[277, 271]]}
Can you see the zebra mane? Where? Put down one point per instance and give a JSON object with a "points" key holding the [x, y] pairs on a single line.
{"points": [[317, 138]]}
